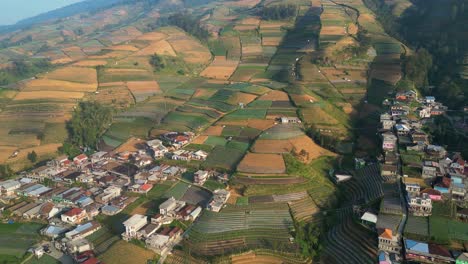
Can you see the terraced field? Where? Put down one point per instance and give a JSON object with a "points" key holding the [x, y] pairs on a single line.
{"points": [[238, 227]]}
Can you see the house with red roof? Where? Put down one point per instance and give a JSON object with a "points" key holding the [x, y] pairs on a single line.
{"points": [[80, 159], [74, 216]]}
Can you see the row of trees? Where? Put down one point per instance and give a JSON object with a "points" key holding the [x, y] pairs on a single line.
{"points": [[278, 12], [189, 24], [20, 69]]}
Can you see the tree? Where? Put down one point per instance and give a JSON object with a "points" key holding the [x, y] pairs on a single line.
{"points": [[5, 171], [32, 156], [308, 239], [89, 122], [417, 67]]}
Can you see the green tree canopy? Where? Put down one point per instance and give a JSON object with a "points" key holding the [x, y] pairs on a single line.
{"points": [[89, 122]]}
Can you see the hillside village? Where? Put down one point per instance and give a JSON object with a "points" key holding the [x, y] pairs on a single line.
{"points": [[241, 131], [70, 195]]}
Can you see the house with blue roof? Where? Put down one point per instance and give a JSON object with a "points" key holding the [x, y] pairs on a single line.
{"points": [[427, 253]]}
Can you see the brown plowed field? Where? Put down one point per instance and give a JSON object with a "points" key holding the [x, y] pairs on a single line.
{"points": [[262, 163]]}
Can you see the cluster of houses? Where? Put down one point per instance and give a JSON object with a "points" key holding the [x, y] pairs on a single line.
{"points": [[156, 232], [69, 194], [445, 174]]}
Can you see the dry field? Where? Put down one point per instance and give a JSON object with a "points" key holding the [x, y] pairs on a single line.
{"points": [[332, 30], [111, 84], [123, 48], [118, 96], [131, 145], [48, 95], [200, 139], [243, 3], [275, 96], [251, 257], [161, 47], [74, 74], [152, 36], [191, 50], [5, 152], [144, 87], [305, 143], [339, 75], [251, 21], [56, 85], [90, 63], [110, 55], [352, 29], [245, 27], [123, 252], [220, 68], [213, 131], [252, 50], [271, 41], [262, 163], [204, 93], [272, 25], [260, 124], [42, 150]]}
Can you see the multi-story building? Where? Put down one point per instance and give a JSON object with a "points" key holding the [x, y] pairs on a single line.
{"points": [[133, 225], [389, 241], [420, 204]]}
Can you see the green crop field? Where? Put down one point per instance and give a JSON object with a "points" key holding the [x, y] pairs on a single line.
{"points": [[224, 158], [24, 235], [246, 113]]}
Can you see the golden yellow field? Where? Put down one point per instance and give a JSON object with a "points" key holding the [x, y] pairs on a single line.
{"points": [[332, 30], [191, 50], [241, 98], [144, 87], [260, 124], [220, 68], [48, 95], [56, 85], [161, 47], [152, 36], [312, 150], [200, 139], [252, 50], [90, 63], [74, 74], [271, 41], [123, 252], [213, 131], [275, 96], [123, 48], [40, 150], [245, 27]]}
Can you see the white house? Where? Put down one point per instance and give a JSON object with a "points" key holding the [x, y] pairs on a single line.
{"points": [[199, 155], [74, 216], [167, 206], [430, 99], [133, 224], [200, 177], [9, 186]]}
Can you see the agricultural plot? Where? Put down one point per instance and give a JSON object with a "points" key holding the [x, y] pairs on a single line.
{"points": [[123, 252], [417, 227], [177, 191], [143, 90], [236, 227], [245, 72], [220, 68], [190, 49], [262, 163], [303, 210], [302, 145], [24, 236], [224, 157], [124, 75]]}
